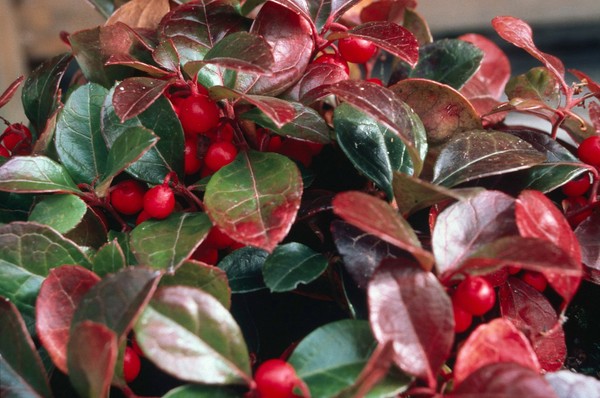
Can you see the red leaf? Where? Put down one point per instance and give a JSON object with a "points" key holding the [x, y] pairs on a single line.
{"points": [[594, 110], [591, 84], [504, 380], [588, 235], [519, 33], [60, 293], [497, 341], [317, 76], [378, 218], [10, 91], [134, 95], [410, 308], [531, 312]]}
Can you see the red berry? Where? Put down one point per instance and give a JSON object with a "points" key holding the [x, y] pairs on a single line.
{"points": [[143, 216], [197, 113], [131, 365], [535, 279], [276, 378], [4, 152], [159, 201], [333, 59], [375, 81], [127, 197], [356, 50], [475, 295], [462, 318], [589, 150], [274, 144], [513, 269], [578, 186], [218, 239], [220, 154], [17, 139], [206, 253], [573, 205], [297, 150], [191, 163]]}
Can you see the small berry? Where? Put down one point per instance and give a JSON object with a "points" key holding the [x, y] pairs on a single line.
{"points": [[143, 216], [462, 318], [17, 139], [276, 378], [159, 201], [475, 295], [197, 113], [574, 205], [513, 269], [5, 153], [191, 163], [589, 150], [127, 197], [578, 186], [274, 144], [131, 365], [218, 239], [333, 59], [375, 81], [356, 50], [220, 154], [535, 279], [206, 253]]}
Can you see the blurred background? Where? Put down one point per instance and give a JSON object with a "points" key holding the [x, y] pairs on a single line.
{"points": [[29, 31]]}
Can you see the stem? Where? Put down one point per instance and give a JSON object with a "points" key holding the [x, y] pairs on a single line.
{"points": [[561, 118]]}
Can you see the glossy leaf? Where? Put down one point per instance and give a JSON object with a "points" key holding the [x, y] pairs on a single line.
{"points": [[416, 24], [35, 174], [362, 252], [482, 153], [10, 91], [108, 259], [378, 218], [29, 252], [160, 118], [494, 342], [15, 207], [567, 384], [201, 391], [469, 224], [45, 138], [242, 51], [123, 238], [531, 312], [244, 269], [255, 198], [59, 295], [292, 264], [90, 233], [61, 212], [587, 234], [21, 371], [307, 124], [373, 148], [144, 14], [40, 95], [504, 380], [91, 378], [538, 83], [315, 78], [166, 244], [134, 95], [410, 308], [206, 277], [117, 300], [189, 334], [330, 359]]}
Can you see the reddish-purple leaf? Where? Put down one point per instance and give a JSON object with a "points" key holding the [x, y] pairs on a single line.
{"points": [[92, 356], [10, 91], [389, 36], [415, 22], [470, 224], [594, 110], [316, 77], [531, 312], [167, 56], [504, 380], [144, 14], [128, 60], [57, 300], [588, 235], [410, 308], [592, 85], [568, 384], [134, 95], [378, 218], [493, 342], [519, 33]]}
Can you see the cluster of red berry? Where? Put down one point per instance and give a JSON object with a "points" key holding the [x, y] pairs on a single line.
{"points": [[15, 140], [350, 49], [131, 197]]}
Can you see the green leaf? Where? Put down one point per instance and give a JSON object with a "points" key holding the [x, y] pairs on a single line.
{"points": [[205, 277], [29, 252], [538, 83], [187, 333], [166, 244], [35, 174], [330, 359], [200, 391], [160, 118], [123, 239], [255, 198], [21, 371], [483, 153], [244, 269], [40, 95], [127, 148], [78, 137], [373, 148], [292, 264], [15, 207], [109, 259], [61, 212], [307, 124], [242, 51], [448, 61]]}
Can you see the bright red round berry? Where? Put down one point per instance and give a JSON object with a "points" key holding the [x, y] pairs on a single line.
{"points": [[218, 239], [206, 253], [333, 59], [475, 295], [197, 113], [220, 154], [462, 318], [159, 201], [535, 279], [4, 152], [578, 186], [127, 197], [356, 50], [275, 378], [17, 139], [589, 150], [131, 365], [375, 81], [191, 163]]}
